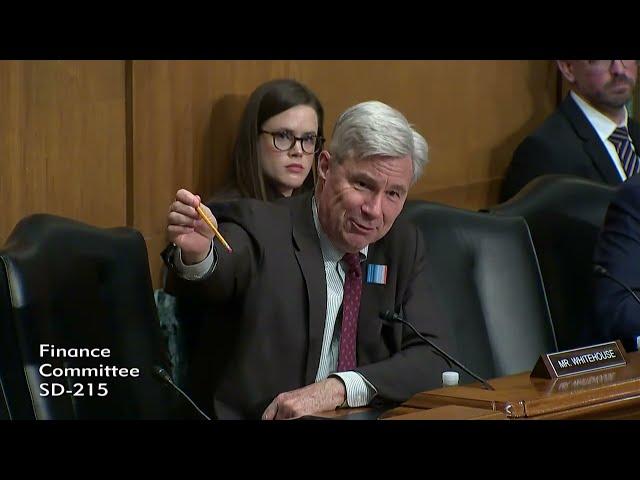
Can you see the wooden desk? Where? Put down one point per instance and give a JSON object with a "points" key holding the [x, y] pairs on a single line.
{"points": [[608, 394]]}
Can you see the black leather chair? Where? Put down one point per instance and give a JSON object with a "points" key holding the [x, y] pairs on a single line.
{"points": [[565, 215], [487, 282], [71, 285]]}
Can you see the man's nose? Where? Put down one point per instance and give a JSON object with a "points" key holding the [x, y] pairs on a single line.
{"points": [[373, 206], [618, 67]]}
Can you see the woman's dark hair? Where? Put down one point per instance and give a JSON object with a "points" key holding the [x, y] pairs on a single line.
{"points": [[266, 101]]}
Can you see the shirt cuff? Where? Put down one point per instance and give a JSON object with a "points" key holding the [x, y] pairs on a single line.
{"points": [[360, 392], [197, 271]]}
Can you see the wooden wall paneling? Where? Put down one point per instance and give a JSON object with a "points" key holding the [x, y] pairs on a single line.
{"points": [[62, 142]]}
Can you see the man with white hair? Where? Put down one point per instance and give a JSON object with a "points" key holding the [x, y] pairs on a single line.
{"points": [[294, 323]]}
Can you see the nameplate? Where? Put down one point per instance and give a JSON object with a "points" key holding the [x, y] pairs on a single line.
{"points": [[580, 360]]}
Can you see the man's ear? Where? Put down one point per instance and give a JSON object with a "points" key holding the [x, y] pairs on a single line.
{"points": [[566, 68], [323, 164]]}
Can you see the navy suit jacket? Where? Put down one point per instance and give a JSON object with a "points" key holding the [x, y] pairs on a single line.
{"points": [[266, 305], [565, 143], [618, 250]]}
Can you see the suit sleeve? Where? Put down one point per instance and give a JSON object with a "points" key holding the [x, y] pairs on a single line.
{"points": [[533, 158], [618, 250], [230, 277], [415, 367]]}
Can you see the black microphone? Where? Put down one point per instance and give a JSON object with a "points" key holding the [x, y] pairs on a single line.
{"points": [[600, 270], [394, 317], [162, 374]]}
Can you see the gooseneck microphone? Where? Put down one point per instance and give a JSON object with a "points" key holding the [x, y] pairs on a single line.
{"points": [[600, 270], [394, 317], [162, 374]]}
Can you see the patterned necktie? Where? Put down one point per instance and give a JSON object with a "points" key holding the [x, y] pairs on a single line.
{"points": [[350, 311], [629, 159]]}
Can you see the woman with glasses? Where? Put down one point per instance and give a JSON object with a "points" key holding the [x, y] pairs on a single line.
{"points": [[278, 140]]}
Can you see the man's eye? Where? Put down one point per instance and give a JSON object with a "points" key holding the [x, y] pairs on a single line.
{"points": [[283, 135]]}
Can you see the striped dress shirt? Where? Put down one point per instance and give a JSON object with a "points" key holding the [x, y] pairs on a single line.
{"points": [[359, 390]]}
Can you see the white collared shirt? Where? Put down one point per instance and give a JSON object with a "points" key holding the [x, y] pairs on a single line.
{"points": [[604, 127]]}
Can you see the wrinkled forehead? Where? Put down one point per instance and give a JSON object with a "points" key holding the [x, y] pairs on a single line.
{"points": [[382, 167]]}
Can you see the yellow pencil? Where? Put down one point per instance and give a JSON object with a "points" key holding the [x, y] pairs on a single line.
{"points": [[215, 230]]}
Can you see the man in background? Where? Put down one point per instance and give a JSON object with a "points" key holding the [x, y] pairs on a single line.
{"points": [[590, 134]]}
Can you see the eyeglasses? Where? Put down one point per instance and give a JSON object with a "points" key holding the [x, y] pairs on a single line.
{"points": [[607, 64], [285, 140]]}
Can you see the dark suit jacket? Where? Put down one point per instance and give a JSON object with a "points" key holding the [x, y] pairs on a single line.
{"points": [[565, 143], [267, 301], [618, 250]]}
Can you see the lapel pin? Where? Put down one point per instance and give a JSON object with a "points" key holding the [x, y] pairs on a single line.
{"points": [[377, 274]]}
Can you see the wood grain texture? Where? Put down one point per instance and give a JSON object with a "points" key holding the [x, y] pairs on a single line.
{"points": [[62, 147], [608, 393]]}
